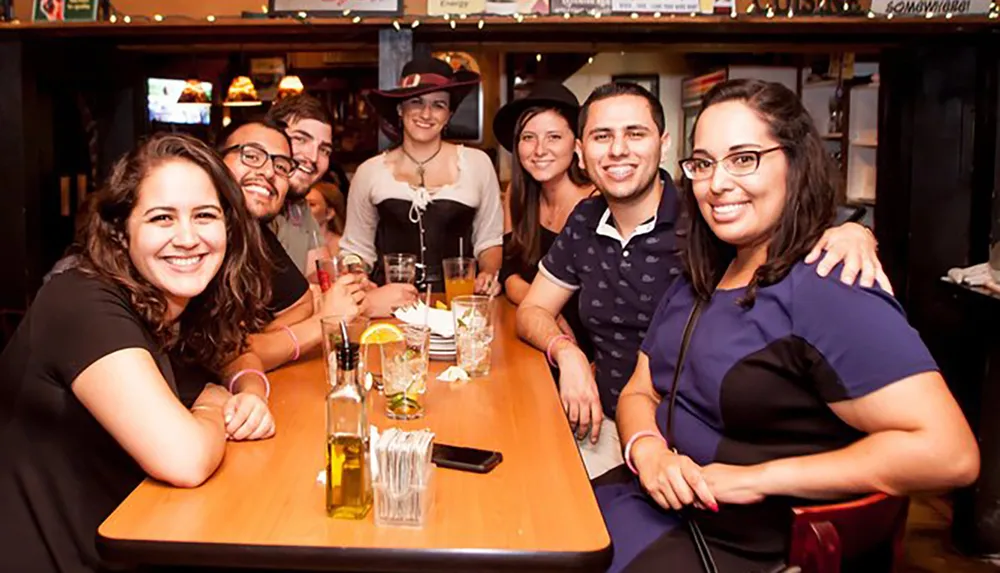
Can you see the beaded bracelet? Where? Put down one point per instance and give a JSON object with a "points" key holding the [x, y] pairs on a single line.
{"points": [[295, 341], [548, 349], [631, 442], [267, 384]]}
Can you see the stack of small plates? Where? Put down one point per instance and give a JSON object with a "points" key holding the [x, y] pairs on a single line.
{"points": [[442, 345], [442, 348]]}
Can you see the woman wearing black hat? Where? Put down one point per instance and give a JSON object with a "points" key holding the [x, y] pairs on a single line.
{"points": [[424, 195], [546, 185]]}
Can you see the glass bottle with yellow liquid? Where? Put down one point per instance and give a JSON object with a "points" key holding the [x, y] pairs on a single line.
{"points": [[348, 474]]}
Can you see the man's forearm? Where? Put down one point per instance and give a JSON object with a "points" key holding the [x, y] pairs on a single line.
{"points": [[538, 327], [490, 260]]}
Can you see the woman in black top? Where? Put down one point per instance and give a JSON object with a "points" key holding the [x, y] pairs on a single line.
{"points": [[171, 278], [546, 185]]}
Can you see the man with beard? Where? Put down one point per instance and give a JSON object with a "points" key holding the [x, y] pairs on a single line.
{"points": [[258, 153], [620, 250], [310, 128]]}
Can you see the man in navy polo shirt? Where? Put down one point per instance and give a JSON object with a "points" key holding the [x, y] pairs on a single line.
{"points": [[621, 251]]}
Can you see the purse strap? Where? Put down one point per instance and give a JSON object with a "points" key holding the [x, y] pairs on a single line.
{"points": [[700, 545]]}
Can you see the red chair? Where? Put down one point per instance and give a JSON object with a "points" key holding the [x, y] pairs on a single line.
{"points": [[865, 534]]}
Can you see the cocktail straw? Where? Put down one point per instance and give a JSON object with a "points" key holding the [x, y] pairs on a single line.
{"points": [[461, 249], [427, 306]]}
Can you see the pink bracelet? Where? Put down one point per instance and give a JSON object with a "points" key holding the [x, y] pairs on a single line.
{"points": [[548, 349], [631, 442], [267, 384], [295, 341]]}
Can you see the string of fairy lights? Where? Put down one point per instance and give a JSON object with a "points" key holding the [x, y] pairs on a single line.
{"points": [[480, 20]]}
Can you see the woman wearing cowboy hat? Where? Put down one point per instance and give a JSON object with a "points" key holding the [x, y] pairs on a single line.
{"points": [[424, 194], [546, 185]]}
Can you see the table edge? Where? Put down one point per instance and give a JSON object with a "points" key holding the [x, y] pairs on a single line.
{"points": [[334, 558]]}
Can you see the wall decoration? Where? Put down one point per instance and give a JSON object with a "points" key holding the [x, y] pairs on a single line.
{"points": [[511, 7], [578, 6], [665, 6], [335, 7], [649, 81], [441, 7], [64, 11]]}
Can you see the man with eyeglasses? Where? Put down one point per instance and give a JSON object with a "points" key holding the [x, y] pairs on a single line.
{"points": [[258, 153], [620, 250]]}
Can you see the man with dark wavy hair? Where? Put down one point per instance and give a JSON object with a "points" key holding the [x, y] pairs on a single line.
{"points": [[309, 126]]}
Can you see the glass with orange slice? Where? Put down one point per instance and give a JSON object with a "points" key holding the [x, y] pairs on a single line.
{"points": [[372, 340], [405, 363]]}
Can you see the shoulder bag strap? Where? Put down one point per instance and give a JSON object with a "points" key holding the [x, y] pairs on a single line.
{"points": [[700, 545]]}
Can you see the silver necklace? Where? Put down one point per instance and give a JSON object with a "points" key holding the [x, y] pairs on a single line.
{"points": [[420, 164]]}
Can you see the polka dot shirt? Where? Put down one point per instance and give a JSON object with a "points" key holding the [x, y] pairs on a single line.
{"points": [[621, 281]]}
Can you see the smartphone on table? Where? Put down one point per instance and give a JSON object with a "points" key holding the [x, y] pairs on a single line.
{"points": [[465, 459]]}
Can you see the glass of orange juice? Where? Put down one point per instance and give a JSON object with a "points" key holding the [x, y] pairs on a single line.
{"points": [[459, 277]]}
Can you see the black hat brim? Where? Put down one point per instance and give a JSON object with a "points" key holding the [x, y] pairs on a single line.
{"points": [[385, 102], [505, 120]]}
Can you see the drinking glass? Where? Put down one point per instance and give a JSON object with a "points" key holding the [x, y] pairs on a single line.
{"points": [[459, 277], [473, 316], [333, 337], [404, 372], [400, 268], [326, 273]]}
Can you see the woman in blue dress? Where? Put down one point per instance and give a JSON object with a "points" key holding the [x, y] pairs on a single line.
{"points": [[795, 389]]}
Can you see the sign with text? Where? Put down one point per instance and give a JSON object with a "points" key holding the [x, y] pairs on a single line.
{"points": [[441, 7], [511, 7], [922, 7], [665, 6], [578, 6], [336, 7], [64, 11]]}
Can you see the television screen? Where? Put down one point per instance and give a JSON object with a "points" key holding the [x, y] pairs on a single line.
{"points": [[162, 103]]}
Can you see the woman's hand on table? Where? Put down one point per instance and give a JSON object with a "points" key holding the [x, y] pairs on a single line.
{"points": [[578, 392], [487, 284], [248, 418], [383, 301], [735, 484], [672, 480]]}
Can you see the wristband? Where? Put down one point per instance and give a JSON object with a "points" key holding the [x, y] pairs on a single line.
{"points": [[267, 384], [295, 341], [631, 442], [548, 348]]}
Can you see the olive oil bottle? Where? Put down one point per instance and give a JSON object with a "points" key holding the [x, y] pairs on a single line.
{"points": [[348, 475]]}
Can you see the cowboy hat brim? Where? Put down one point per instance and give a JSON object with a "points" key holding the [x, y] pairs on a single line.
{"points": [[505, 120], [385, 102]]}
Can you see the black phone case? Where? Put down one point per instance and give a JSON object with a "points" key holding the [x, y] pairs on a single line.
{"points": [[491, 463]]}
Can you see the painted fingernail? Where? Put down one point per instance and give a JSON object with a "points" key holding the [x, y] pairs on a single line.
{"points": [[715, 507]]}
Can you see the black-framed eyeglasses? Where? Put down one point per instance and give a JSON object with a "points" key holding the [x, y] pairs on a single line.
{"points": [[253, 155], [739, 164]]}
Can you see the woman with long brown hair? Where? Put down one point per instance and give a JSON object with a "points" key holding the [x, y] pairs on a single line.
{"points": [[104, 381], [761, 385], [546, 184]]}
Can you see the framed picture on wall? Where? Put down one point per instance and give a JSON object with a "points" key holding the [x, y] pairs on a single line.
{"points": [[335, 8], [649, 81]]}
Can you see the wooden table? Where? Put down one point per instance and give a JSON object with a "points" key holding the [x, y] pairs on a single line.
{"points": [[264, 506]]}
